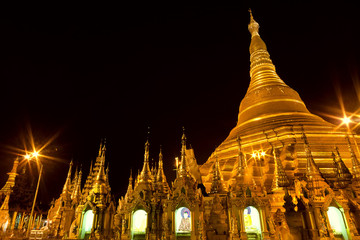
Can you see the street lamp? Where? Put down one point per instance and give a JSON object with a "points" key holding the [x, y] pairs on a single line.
{"points": [[29, 157]]}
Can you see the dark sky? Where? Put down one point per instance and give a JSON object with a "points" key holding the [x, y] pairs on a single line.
{"points": [[92, 72]]}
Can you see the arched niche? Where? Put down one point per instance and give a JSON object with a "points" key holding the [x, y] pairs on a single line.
{"points": [[252, 222], [183, 221], [337, 222], [139, 222], [87, 224]]}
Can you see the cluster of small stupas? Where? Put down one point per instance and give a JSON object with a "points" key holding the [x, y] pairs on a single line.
{"points": [[282, 173]]}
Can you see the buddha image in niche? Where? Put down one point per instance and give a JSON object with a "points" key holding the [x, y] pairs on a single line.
{"points": [[185, 225]]}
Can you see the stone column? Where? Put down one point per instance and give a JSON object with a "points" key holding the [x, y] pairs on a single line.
{"points": [[243, 235]]}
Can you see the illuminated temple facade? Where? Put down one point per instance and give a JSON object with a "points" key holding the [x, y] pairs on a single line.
{"points": [[282, 173], [84, 213]]}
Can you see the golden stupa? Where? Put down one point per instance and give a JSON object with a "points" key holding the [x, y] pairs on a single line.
{"points": [[272, 115]]}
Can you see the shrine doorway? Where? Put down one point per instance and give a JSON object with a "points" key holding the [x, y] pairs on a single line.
{"points": [[139, 224], [252, 223], [87, 224], [337, 223], [183, 223]]}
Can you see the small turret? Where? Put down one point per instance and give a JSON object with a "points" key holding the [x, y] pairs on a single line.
{"points": [[145, 175], [161, 182], [130, 189], [343, 174], [315, 181], [77, 188], [280, 178], [67, 185], [355, 162], [217, 185], [183, 168]]}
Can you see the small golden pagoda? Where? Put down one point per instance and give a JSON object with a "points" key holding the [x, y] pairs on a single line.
{"points": [[86, 213]]}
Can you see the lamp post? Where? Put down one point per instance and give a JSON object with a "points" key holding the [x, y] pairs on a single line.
{"points": [[30, 157]]}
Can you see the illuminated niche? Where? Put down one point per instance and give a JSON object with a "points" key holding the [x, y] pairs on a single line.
{"points": [[183, 220], [252, 220], [88, 220], [139, 222], [337, 222]]}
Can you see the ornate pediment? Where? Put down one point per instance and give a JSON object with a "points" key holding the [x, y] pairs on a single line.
{"points": [[139, 203]]}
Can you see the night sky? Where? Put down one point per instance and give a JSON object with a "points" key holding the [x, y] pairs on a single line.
{"points": [[83, 74]]}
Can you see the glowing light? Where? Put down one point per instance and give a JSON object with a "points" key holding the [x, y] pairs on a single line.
{"points": [[252, 220], [253, 155], [27, 156], [87, 223], [139, 221], [337, 222], [346, 120], [262, 153], [35, 154]]}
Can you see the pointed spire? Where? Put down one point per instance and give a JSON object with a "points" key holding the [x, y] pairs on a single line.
{"points": [[280, 178], [262, 70], [183, 165], [101, 177], [343, 174], [355, 162], [77, 188], [315, 181], [10, 183], [130, 187], [102, 148], [66, 187], [311, 167], [267, 96], [241, 160], [160, 176], [145, 175], [253, 26], [217, 185]]}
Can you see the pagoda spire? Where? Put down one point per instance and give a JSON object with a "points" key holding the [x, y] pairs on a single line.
{"points": [[355, 162], [217, 185], [241, 161], [10, 183], [160, 175], [77, 189], [315, 181], [130, 187], [102, 148], [101, 176], [262, 70], [67, 184], [280, 178], [267, 96], [183, 168], [145, 175], [343, 174]]}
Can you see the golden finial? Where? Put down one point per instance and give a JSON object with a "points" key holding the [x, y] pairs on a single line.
{"points": [[145, 175], [253, 26], [183, 166]]}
